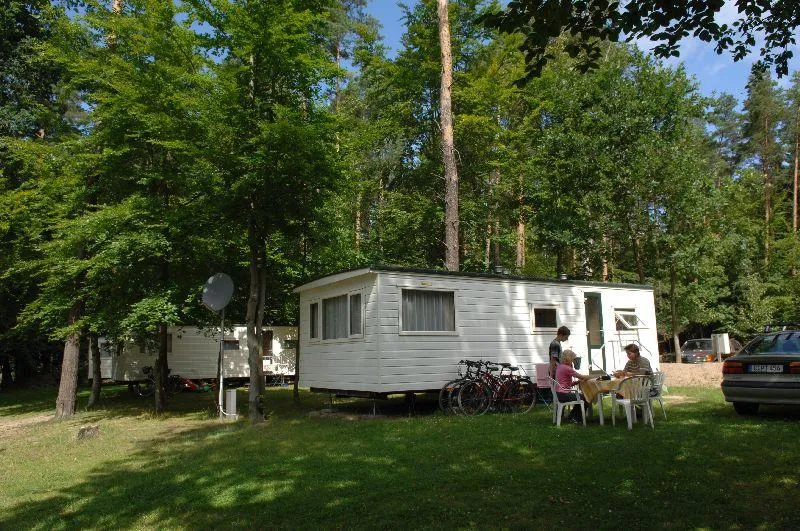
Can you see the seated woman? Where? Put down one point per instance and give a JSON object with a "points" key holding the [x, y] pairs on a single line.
{"points": [[565, 373]]}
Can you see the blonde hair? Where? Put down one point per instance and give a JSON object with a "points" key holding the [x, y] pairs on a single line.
{"points": [[567, 356]]}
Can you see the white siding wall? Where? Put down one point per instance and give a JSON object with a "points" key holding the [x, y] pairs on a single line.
{"points": [[642, 302], [492, 323], [345, 364], [194, 355]]}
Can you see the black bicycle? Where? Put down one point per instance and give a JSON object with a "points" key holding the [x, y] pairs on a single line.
{"points": [[147, 387]]}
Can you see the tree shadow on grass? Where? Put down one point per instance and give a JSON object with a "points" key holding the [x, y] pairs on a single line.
{"points": [[38, 399], [436, 471]]}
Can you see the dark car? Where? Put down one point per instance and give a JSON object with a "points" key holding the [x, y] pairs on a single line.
{"points": [[765, 371], [700, 350]]}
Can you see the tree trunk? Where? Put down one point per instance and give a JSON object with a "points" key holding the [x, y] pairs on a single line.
{"points": [[767, 217], [674, 311], [451, 229], [559, 263], [160, 369], [520, 262], [97, 377], [295, 387], [5, 373], [496, 243], [639, 257], [487, 256], [604, 259], [358, 223], [767, 196], [255, 311], [65, 403], [794, 204]]}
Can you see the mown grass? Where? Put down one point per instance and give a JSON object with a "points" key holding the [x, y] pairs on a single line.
{"points": [[704, 467]]}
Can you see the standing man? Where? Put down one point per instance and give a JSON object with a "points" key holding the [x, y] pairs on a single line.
{"points": [[562, 334]]}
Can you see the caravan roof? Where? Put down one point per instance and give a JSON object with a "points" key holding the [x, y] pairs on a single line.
{"points": [[355, 272]]}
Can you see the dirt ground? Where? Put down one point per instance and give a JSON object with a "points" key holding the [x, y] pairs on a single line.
{"points": [[693, 374], [10, 426]]}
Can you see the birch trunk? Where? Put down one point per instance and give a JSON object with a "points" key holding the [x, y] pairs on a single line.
{"points": [[448, 148]]}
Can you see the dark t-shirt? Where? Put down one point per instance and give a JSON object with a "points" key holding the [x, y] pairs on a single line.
{"points": [[555, 350]]}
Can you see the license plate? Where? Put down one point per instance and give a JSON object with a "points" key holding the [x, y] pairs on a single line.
{"points": [[766, 368]]}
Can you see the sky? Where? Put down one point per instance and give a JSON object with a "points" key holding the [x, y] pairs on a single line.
{"points": [[713, 73]]}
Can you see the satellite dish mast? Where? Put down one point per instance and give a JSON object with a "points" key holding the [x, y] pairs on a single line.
{"points": [[217, 294]]}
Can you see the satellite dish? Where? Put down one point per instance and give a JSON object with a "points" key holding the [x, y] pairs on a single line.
{"points": [[217, 292]]}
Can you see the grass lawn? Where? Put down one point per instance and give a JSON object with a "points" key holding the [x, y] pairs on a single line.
{"points": [[704, 467]]}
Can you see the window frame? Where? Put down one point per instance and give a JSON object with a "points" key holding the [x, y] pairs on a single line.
{"points": [[314, 313], [532, 307], [402, 332], [350, 295], [619, 314], [350, 336]]}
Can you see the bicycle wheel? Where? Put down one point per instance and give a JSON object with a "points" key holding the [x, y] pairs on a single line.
{"points": [[175, 384], [446, 395], [474, 398], [526, 396], [505, 397], [145, 388]]}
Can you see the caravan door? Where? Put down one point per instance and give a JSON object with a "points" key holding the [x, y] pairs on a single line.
{"points": [[594, 330]]}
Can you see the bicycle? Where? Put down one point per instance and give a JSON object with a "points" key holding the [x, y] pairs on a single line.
{"points": [[147, 387], [504, 392], [451, 388]]}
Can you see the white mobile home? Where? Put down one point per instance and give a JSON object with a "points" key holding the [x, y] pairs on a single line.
{"points": [[383, 330], [193, 353]]}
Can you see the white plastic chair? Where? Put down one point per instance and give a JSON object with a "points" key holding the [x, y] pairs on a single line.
{"points": [[558, 406], [658, 386], [638, 390]]}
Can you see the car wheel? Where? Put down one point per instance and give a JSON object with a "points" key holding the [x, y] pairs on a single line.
{"points": [[745, 408]]}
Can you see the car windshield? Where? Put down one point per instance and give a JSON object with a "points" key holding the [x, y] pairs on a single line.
{"points": [[697, 344], [783, 343]]}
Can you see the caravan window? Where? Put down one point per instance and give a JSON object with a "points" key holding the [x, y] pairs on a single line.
{"points": [[544, 317], [334, 317], [230, 344], [428, 311], [314, 321], [355, 314], [342, 317], [627, 319]]}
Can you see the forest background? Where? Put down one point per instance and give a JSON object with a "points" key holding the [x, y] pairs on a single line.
{"points": [[146, 145]]}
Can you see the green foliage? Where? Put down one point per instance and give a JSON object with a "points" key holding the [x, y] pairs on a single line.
{"points": [[588, 24], [183, 139]]}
